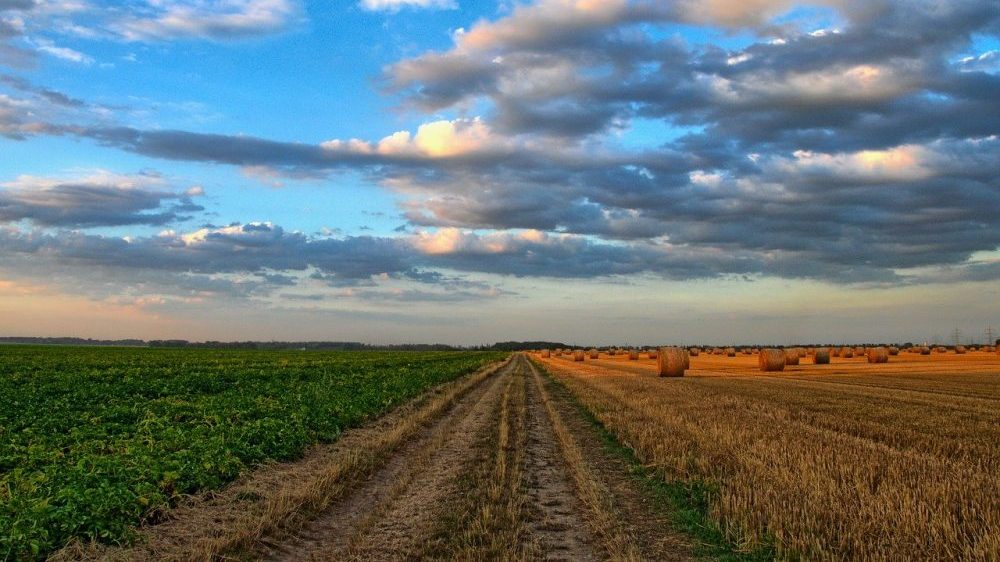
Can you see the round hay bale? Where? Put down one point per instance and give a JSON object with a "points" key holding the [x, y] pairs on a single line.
{"points": [[546, 353], [633, 355], [791, 356], [694, 352], [859, 351], [960, 349], [822, 356], [924, 350], [846, 352], [730, 352], [594, 354], [578, 355], [893, 350], [878, 355], [672, 361], [771, 360], [835, 352], [653, 354]]}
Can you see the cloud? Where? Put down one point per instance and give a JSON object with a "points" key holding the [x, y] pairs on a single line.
{"points": [[396, 5], [63, 53], [101, 199], [16, 4], [201, 19], [987, 61], [851, 155], [748, 13], [51, 96], [436, 139]]}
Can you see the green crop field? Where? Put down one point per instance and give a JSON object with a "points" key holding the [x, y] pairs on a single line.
{"points": [[93, 440]]}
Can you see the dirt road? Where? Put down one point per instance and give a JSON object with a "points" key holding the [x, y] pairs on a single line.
{"points": [[498, 465], [500, 475]]}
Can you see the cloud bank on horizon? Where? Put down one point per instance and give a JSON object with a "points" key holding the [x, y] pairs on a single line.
{"points": [[510, 149]]}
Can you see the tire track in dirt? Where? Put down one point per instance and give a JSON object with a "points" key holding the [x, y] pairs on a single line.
{"points": [[557, 518], [387, 516], [413, 508], [512, 472]]}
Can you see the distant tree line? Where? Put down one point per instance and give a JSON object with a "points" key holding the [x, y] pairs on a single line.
{"points": [[338, 345]]}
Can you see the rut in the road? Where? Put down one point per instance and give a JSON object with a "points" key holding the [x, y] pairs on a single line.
{"points": [[487, 480], [557, 517], [389, 514]]}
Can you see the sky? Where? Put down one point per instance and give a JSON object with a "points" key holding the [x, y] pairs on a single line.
{"points": [[470, 171]]}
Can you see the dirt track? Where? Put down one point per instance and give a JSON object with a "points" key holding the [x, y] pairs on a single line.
{"points": [[498, 465], [488, 479]]}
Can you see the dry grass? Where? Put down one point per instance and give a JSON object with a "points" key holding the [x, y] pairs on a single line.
{"points": [[603, 517], [493, 522], [856, 461]]}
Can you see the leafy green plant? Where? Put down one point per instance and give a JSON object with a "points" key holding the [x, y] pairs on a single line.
{"points": [[94, 440]]}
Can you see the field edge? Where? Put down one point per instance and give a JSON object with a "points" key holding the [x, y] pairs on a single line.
{"points": [[684, 503]]}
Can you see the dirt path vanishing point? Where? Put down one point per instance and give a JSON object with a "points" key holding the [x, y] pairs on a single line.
{"points": [[499, 465]]}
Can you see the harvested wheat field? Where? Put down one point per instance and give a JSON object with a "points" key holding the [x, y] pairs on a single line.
{"points": [[846, 461]]}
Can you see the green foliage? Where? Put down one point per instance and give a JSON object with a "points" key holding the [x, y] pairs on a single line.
{"points": [[95, 440]]}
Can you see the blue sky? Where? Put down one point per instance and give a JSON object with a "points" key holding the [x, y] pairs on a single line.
{"points": [[460, 171]]}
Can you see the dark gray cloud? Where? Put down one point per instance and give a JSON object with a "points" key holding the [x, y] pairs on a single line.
{"points": [[52, 96], [99, 201]]}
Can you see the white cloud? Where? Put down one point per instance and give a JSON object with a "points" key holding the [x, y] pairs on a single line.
{"points": [[221, 19], [436, 139], [396, 5], [901, 163], [64, 53]]}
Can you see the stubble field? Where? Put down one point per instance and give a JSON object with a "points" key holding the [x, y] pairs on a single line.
{"points": [[841, 461]]}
